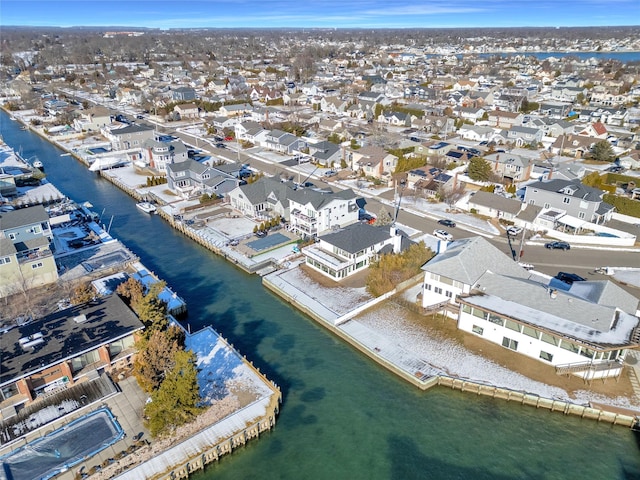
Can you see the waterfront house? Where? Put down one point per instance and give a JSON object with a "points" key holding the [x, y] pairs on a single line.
{"points": [[312, 213], [26, 258], [190, 179], [584, 329], [129, 137], [351, 249], [264, 198], [65, 348], [457, 267], [159, 154], [92, 119]]}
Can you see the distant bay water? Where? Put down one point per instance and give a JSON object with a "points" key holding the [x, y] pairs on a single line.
{"points": [[623, 57], [343, 416]]}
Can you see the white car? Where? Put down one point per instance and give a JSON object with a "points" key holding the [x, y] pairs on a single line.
{"points": [[443, 235], [513, 231]]}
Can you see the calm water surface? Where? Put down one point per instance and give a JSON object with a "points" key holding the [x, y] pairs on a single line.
{"points": [[343, 416]]}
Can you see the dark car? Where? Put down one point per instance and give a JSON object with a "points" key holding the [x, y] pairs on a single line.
{"points": [[261, 233], [569, 278], [557, 245], [447, 223]]}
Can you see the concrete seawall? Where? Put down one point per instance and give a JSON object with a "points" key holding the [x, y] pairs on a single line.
{"points": [[467, 386]]}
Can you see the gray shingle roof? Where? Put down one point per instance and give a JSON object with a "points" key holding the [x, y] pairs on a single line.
{"points": [[468, 259], [488, 199], [357, 237], [23, 216]]}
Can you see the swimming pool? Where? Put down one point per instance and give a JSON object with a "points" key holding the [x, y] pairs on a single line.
{"points": [[63, 448]]}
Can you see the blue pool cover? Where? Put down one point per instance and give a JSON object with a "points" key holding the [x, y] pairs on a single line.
{"points": [[268, 242], [63, 448]]}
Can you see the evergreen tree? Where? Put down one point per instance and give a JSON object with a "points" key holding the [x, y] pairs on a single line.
{"points": [[479, 169], [602, 151], [156, 356], [176, 402]]}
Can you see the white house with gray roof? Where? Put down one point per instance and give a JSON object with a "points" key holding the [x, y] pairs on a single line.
{"points": [[351, 249], [458, 267], [158, 154], [264, 198], [190, 179], [585, 330], [312, 213]]}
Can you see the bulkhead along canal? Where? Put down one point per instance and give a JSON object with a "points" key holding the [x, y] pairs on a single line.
{"points": [[342, 416]]}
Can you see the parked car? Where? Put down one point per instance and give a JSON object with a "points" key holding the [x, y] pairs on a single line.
{"points": [[228, 139], [513, 230], [261, 233], [443, 235], [365, 217], [330, 173], [447, 223], [569, 278], [557, 245]]}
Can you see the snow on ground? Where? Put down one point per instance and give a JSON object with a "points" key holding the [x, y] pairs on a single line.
{"points": [[442, 210], [232, 227], [628, 276], [339, 299], [365, 187], [451, 358], [221, 367]]}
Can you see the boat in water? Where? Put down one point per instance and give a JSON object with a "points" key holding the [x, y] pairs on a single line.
{"points": [[104, 163], [38, 164], [146, 207]]}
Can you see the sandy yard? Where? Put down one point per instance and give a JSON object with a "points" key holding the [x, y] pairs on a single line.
{"points": [[459, 353]]}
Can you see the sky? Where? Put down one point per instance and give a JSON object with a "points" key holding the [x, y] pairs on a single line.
{"points": [[319, 13]]}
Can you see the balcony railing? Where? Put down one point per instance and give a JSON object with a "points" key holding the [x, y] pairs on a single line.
{"points": [[31, 255]]}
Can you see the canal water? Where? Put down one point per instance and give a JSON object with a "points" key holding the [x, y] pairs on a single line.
{"points": [[342, 416]]}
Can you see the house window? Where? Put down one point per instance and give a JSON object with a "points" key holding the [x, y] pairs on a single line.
{"points": [[566, 200], [427, 286], [82, 361], [549, 339], [479, 313], [546, 356], [581, 215], [546, 205], [466, 308], [569, 346], [509, 343], [477, 330], [4, 260], [531, 332], [586, 352], [448, 294], [511, 325], [496, 319], [36, 265], [35, 229], [9, 391], [438, 290]]}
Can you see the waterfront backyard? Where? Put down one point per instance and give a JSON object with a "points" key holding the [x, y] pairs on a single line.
{"points": [[435, 340]]}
